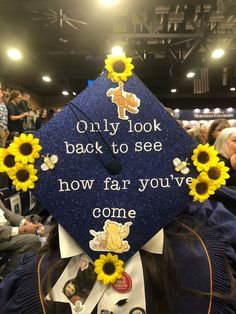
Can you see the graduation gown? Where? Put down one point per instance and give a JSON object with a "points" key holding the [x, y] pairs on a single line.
{"points": [[200, 266]]}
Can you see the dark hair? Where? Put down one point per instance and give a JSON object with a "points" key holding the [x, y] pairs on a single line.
{"points": [[44, 110], [25, 92], [217, 124], [13, 94]]}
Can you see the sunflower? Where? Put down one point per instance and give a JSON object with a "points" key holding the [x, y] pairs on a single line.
{"points": [[7, 160], [201, 188], [25, 148], [108, 268], [218, 173], [204, 156], [23, 176], [118, 67]]}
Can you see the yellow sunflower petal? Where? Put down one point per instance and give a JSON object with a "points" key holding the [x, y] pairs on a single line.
{"points": [[35, 141], [23, 137], [100, 276], [106, 280], [30, 137]]}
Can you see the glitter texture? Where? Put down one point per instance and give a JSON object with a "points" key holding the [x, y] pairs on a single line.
{"points": [[62, 190]]}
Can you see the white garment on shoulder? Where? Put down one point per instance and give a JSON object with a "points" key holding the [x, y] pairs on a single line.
{"points": [[3, 220], [104, 295]]}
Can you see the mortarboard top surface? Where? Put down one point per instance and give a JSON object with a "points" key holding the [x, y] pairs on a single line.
{"points": [[95, 138]]}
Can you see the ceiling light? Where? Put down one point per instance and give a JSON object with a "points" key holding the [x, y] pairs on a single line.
{"points": [[117, 51], [206, 110], [232, 89], [14, 54], [217, 110], [173, 90], [218, 53], [230, 109], [46, 78], [109, 2], [74, 93], [190, 75], [177, 110], [197, 110], [65, 93]]}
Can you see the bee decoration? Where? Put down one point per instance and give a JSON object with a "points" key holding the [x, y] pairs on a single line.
{"points": [[181, 166], [49, 162]]}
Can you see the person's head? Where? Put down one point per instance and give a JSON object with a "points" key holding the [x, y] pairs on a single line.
{"points": [[15, 96], [25, 96], [225, 143], [5, 97], [215, 128], [44, 114], [203, 130]]}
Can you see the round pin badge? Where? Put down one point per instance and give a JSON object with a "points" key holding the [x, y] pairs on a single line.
{"points": [[124, 284]]}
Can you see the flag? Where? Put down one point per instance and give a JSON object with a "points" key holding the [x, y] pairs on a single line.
{"points": [[201, 82]]}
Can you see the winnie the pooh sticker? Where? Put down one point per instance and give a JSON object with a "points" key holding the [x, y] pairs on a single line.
{"points": [[125, 101], [111, 238]]}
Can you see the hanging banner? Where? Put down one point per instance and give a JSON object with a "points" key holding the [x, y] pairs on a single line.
{"points": [[203, 114]]}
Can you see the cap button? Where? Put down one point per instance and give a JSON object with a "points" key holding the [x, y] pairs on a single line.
{"points": [[114, 167]]}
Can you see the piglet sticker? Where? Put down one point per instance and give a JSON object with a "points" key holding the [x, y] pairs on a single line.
{"points": [[111, 238]]}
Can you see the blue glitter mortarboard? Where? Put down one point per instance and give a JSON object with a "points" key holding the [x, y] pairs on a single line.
{"points": [[123, 168]]}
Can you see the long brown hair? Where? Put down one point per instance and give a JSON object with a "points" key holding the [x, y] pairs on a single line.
{"points": [[14, 94]]}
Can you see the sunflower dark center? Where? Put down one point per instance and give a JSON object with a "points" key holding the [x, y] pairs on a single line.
{"points": [[214, 173], [203, 157], [22, 175], [9, 161], [201, 188], [26, 149], [109, 268], [119, 66]]}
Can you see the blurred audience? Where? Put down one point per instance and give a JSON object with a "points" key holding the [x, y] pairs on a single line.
{"points": [[225, 144], [215, 128], [3, 121], [24, 103], [43, 118], [24, 107], [15, 116], [17, 235], [5, 95], [199, 133]]}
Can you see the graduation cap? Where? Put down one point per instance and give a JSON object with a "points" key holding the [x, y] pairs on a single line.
{"points": [[115, 166], [123, 167]]}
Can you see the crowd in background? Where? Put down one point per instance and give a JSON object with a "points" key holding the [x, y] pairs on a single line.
{"points": [[17, 115], [221, 133]]}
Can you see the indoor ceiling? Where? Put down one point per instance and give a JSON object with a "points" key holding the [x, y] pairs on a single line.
{"points": [[69, 40]]}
